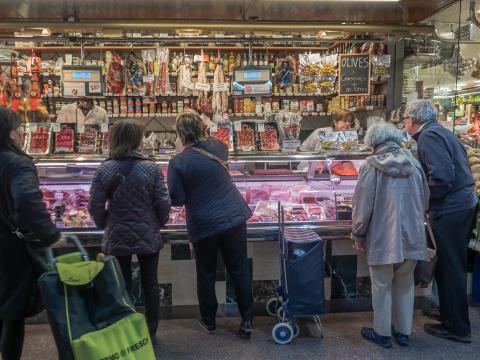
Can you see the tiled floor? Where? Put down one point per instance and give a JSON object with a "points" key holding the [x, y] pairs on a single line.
{"points": [[182, 339]]}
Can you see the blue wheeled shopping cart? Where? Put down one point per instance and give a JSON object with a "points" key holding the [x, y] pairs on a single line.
{"points": [[300, 292]]}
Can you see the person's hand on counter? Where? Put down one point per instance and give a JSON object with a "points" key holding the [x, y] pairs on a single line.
{"points": [[62, 242]]}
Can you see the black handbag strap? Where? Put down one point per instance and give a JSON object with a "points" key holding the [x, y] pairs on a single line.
{"points": [[211, 156], [122, 174]]}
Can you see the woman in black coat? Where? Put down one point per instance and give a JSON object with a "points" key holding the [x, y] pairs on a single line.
{"points": [[21, 204], [198, 178], [129, 199]]}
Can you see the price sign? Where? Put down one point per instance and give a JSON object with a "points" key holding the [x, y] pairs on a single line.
{"points": [[213, 128], [237, 126], [148, 78], [220, 87], [56, 127], [189, 85], [261, 127], [33, 127], [104, 127], [80, 129], [202, 87]]}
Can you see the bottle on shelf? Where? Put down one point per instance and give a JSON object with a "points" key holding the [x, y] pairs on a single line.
{"points": [[231, 62], [245, 60], [238, 60], [255, 60]]}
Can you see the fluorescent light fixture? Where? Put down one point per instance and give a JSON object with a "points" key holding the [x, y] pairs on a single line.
{"points": [[356, 0]]}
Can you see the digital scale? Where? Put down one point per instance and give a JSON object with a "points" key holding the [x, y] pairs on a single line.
{"points": [[78, 81], [252, 81]]}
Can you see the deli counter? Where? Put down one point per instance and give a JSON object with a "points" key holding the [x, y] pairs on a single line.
{"points": [[314, 189]]}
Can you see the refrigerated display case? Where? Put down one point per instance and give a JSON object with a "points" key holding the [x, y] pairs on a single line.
{"points": [[319, 197]]}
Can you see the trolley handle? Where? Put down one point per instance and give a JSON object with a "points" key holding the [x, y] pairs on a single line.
{"points": [[77, 244]]}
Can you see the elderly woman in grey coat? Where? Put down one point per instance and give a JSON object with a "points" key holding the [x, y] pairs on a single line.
{"points": [[389, 205]]}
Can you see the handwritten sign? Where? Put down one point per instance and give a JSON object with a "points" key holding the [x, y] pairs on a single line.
{"points": [[354, 74]]}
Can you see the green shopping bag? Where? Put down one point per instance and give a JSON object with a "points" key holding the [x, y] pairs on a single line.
{"points": [[127, 339]]}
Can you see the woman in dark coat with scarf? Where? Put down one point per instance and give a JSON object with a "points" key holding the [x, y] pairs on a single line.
{"points": [[22, 206]]}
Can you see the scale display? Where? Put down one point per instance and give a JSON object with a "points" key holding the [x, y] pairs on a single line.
{"points": [[82, 81], [252, 81]]}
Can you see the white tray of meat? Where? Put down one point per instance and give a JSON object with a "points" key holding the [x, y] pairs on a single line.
{"points": [[39, 139]]}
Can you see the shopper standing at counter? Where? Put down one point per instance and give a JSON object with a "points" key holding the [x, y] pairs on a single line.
{"points": [[451, 212], [198, 178], [128, 199], [389, 205], [21, 207]]}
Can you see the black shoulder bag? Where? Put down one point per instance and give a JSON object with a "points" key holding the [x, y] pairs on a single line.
{"points": [[211, 156], [122, 174]]}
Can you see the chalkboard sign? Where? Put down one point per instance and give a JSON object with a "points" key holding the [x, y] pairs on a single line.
{"points": [[354, 74]]}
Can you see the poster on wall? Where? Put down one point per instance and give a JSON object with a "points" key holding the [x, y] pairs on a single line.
{"points": [[354, 75]]}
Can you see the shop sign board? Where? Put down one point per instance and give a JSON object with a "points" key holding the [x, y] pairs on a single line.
{"points": [[354, 74]]}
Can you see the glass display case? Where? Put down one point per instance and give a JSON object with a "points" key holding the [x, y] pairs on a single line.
{"points": [[314, 190]]}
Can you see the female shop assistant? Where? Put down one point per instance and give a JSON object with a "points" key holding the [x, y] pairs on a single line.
{"points": [[342, 120], [198, 178]]}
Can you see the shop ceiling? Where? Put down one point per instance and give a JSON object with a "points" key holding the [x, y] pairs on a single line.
{"points": [[215, 15]]}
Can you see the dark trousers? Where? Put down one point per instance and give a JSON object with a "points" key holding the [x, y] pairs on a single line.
{"points": [[232, 244], [452, 233], [148, 272], [12, 333]]}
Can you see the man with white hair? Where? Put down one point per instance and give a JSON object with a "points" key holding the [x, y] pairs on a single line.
{"points": [[451, 212]]}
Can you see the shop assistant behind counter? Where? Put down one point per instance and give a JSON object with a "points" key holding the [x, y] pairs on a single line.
{"points": [[82, 112]]}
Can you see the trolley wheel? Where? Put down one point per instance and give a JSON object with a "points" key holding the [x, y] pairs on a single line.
{"points": [[296, 330], [282, 333], [281, 314], [272, 306]]}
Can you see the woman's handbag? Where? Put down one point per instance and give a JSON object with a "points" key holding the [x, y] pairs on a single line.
{"points": [[425, 269]]}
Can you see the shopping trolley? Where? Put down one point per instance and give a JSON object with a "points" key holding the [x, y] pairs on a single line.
{"points": [[300, 292]]}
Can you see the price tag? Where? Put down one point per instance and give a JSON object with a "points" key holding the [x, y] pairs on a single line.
{"points": [[369, 107], [237, 126], [213, 128], [33, 127], [202, 87], [261, 127], [80, 129], [198, 58], [45, 74], [56, 127], [189, 85], [148, 78], [220, 87], [350, 135], [323, 114], [104, 127]]}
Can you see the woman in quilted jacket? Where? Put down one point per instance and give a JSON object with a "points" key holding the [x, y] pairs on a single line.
{"points": [[129, 199]]}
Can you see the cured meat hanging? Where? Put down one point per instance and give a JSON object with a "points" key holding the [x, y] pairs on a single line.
{"points": [[202, 100], [220, 97], [184, 79], [162, 86], [134, 75], [116, 76]]}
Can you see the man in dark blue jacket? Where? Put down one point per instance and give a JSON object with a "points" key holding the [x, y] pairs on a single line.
{"points": [[451, 212]]}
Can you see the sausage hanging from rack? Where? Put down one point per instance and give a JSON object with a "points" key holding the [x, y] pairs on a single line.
{"points": [[220, 98], [202, 100]]}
